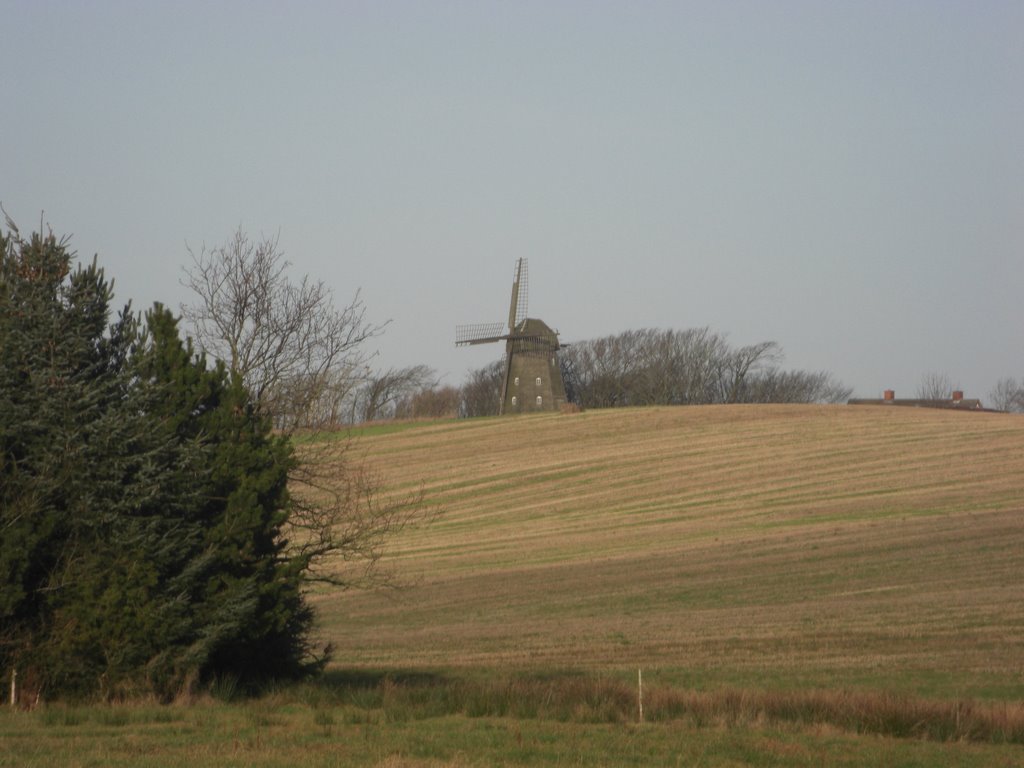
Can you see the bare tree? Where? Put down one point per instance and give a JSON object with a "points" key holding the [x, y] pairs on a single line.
{"points": [[332, 399], [1008, 395], [735, 368], [935, 386], [286, 340], [381, 394], [303, 360], [690, 367], [481, 394], [430, 403], [777, 386], [342, 520]]}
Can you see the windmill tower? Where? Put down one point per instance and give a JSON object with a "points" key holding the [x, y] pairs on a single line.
{"points": [[532, 379]]}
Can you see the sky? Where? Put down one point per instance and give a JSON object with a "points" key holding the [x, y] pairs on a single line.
{"points": [[843, 178]]}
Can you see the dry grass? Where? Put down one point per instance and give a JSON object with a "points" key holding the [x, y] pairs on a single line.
{"points": [[589, 699], [406, 726], [790, 546]]}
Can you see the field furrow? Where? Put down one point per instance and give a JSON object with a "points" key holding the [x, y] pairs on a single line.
{"points": [[759, 545]]}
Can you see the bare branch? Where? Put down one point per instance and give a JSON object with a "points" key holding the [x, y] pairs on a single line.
{"points": [[935, 386], [341, 522], [286, 340], [690, 367], [1008, 395]]}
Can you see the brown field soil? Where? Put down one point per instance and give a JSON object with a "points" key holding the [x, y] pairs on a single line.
{"points": [[772, 547]]}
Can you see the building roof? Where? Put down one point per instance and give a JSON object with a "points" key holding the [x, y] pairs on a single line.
{"points": [[956, 402], [964, 404]]}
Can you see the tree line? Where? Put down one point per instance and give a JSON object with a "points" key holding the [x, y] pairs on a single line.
{"points": [[666, 367], [633, 368], [689, 367]]}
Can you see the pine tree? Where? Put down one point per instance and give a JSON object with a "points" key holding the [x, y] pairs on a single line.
{"points": [[254, 619], [143, 502], [89, 493]]}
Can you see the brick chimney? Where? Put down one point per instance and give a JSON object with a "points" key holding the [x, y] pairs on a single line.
{"points": [[889, 395], [957, 395]]}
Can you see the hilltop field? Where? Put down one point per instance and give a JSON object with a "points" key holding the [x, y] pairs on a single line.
{"points": [[800, 586], [768, 547]]}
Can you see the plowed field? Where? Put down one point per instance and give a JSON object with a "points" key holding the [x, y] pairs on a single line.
{"points": [[768, 546]]}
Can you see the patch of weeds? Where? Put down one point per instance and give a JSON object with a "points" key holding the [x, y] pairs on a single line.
{"points": [[365, 698], [225, 689], [113, 717], [61, 716], [353, 716], [325, 719], [259, 715], [162, 715], [315, 696]]}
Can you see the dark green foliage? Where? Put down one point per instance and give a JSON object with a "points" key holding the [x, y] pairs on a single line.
{"points": [[142, 498], [253, 618], [81, 471]]}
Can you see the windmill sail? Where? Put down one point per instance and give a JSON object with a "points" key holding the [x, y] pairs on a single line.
{"points": [[520, 296], [479, 333]]}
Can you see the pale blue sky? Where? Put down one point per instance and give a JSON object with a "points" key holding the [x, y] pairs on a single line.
{"points": [[845, 178]]}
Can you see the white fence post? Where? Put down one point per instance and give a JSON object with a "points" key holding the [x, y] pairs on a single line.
{"points": [[640, 692]]}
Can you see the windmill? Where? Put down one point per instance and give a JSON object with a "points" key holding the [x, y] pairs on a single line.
{"points": [[532, 378]]}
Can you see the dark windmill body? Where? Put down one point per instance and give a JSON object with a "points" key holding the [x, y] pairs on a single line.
{"points": [[532, 377]]}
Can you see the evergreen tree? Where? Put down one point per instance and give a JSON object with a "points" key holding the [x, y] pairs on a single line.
{"points": [[252, 617], [88, 489], [142, 500]]}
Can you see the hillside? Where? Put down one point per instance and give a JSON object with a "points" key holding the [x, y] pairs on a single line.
{"points": [[766, 546]]}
